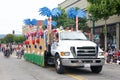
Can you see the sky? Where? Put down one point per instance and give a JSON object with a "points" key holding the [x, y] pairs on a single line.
{"points": [[13, 12]]}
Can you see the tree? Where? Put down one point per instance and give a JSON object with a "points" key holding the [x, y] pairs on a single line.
{"points": [[102, 9], [12, 38], [9, 38], [117, 6], [19, 39]]}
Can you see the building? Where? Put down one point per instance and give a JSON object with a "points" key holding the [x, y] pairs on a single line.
{"points": [[113, 24]]}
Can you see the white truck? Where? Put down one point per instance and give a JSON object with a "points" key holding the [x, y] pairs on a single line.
{"points": [[73, 49]]}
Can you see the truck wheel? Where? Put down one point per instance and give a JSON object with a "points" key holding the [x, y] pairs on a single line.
{"points": [[96, 69], [58, 65]]}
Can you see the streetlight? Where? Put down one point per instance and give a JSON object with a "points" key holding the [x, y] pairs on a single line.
{"points": [[13, 32]]}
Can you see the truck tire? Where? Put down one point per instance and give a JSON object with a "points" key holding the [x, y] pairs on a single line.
{"points": [[96, 69], [58, 65]]}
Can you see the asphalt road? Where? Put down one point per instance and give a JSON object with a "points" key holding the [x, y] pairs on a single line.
{"points": [[18, 69]]}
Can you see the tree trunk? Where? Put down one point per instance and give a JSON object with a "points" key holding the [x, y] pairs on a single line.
{"points": [[105, 33]]}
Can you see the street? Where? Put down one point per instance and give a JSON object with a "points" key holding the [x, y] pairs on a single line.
{"points": [[18, 69]]}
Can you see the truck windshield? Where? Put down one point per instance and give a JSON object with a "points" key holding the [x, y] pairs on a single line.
{"points": [[72, 36]]}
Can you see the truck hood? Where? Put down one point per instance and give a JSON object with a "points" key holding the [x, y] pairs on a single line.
{"points": [[77, 43]]}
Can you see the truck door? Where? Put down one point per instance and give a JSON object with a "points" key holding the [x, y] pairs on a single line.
{"points": [[54, 44]]}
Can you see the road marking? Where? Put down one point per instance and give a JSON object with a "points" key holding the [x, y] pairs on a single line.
{"points": [[77, 77]]}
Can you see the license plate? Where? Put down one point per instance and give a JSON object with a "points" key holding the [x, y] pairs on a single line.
{"points": [[86, 65]]}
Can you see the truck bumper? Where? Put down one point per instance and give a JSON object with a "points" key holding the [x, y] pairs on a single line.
{"points": [[82, 62]]}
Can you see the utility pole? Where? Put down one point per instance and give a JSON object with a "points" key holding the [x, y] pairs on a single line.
{"points": [[13, 32]]}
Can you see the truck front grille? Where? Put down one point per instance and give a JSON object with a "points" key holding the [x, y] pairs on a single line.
{"points": [[86, 52]]}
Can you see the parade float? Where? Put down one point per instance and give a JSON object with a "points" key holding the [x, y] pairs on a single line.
{"points": [[60, 47], [35, 46]]}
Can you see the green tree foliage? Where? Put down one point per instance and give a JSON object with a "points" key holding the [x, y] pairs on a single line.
{"points": [[9, 38], [19, 39], [103, 9], [117, 6], [12, 38]]}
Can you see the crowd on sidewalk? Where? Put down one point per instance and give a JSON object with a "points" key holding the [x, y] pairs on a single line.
{"points": [[112, 56]]}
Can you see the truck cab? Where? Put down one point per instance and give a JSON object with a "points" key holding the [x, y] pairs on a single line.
{"points": [[73, 49]]}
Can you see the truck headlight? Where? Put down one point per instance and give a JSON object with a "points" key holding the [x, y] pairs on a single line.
{"points": [[101, 54], [65, 53]]}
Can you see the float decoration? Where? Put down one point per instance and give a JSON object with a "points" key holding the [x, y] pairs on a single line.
{"points": [[38, 40], [55, 12], [45, 22], [33, 41], [27, 42], [40, 47], [30, 22], [76, 13]]}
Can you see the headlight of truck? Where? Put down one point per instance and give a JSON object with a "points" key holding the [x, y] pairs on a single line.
{"points": [[65, 53], [101, 54]]}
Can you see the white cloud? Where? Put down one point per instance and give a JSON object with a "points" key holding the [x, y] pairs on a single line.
{"points": [[13, 12]]}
